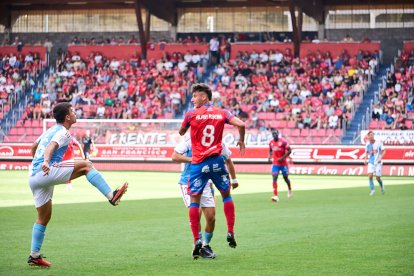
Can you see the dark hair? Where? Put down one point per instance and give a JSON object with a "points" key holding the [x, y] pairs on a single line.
{"points": [[60, 111], [201, 87]]}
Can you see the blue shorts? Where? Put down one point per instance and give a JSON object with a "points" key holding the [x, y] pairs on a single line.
{"points": [[211, 168], [276, 169]]}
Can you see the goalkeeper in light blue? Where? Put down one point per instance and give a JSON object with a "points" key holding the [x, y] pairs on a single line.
{"points": [[374, 154]]}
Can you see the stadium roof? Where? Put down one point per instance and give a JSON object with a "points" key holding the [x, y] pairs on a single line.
{"points": [[166, 9]]}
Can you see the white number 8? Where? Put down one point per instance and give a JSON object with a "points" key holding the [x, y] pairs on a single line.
{"points": [[208, 136]]}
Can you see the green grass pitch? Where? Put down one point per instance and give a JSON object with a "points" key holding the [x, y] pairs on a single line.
{"points": [[330, 227]]}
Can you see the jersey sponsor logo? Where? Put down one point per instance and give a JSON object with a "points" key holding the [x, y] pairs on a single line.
{"points": [[209, 116], [216, 168], [197, 182]]}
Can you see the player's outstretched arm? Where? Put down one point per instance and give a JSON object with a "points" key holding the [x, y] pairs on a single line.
{"points": [[232, 172], [50, 149], [176, 157], [183, 130], [34, 148], [242, 130], [289, 151]]}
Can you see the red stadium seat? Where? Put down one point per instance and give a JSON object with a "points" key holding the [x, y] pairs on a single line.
{"points": [[304, 132], [295, 132], [339, 132], [373, 124]]}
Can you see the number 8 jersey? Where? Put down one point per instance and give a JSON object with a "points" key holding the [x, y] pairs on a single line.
{"points": [[207, 125]]}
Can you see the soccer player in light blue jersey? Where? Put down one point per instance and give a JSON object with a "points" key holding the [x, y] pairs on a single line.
{"points": [[49, 169], [183, 154], [374, 154]]}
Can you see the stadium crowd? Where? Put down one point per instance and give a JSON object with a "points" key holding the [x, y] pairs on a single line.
{"points": [[17, 74], [395, 106]]}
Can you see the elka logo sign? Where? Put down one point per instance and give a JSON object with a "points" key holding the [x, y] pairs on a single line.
{"points": [[327, 154]]}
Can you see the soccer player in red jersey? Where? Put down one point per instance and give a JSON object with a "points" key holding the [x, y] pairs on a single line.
{"points": [[207, 124], [279, 149]]}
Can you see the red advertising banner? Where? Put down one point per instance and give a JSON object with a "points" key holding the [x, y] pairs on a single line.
{"points": [[305, 169], [257, 154]]}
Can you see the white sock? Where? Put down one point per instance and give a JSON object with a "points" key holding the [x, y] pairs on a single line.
{"points": [[110, 195], [35, 254]]}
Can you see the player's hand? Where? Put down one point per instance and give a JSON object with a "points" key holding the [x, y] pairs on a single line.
{"points": [[365, 162], [45, 168], [269, 160], [234, 185], [242, 147], [280, 160]]}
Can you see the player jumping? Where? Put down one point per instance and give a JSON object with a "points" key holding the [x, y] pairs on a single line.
{"points": [[207, 125], [182, 153]]}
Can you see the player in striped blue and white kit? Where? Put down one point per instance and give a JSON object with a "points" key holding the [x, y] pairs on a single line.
{"points": [[183, 154], [49, 169], [374, 154]]}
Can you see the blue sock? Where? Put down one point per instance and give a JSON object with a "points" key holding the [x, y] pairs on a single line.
{"points": [[96, 179], [380, 183], [371, 184], [201, 234], [207, 237], [38, 234]]}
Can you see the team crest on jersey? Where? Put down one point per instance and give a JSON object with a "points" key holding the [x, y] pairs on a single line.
{"points": [[279, 144], [205, 169]]}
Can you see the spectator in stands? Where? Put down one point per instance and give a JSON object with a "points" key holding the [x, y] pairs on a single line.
{"points": [[37, 112], [214, 50], [377, 112], [389, 121], [348, 38], [390, 81]]}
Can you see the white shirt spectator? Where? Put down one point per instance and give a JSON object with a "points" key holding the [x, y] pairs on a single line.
{"points": [[397, 87], [175, 97], [240, 78], [114, 64], [220, 70], [28, 58], [225, 80], [98, 58], [278, 57], [264, 57], [100, 111], [195, 58], [76, 58], [214, 44], [188, 57], [304, 93], [216, 95], [292, 86], [254, 56], [168, 65], [12, 60], [333, 121], [182, 66]]}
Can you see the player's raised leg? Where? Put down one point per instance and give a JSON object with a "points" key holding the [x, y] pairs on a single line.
{"points": [[85, 167]]}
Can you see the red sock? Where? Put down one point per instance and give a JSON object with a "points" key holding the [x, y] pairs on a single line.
{"points": [[275, 188], [194, 214], [229, 213]]}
